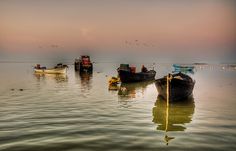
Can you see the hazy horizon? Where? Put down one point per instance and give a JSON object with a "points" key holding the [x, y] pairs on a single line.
{"points": [[191, 29]]}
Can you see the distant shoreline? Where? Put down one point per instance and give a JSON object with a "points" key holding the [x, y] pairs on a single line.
{"points": [[71, 63]]}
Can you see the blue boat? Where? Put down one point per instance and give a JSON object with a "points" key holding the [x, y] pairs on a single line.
{"points": [[183, 68]]}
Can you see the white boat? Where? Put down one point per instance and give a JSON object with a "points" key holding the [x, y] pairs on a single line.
{"points": [[58, 69], [51, 71]]}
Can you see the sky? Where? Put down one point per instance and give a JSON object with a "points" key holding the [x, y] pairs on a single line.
{"points": [[174, 26]]}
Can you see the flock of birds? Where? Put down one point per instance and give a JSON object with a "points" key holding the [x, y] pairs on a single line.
{"points": [[138, 43]]}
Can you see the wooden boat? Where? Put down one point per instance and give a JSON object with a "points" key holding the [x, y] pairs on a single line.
{"points": [[128, 76], [181, 87], [59, 69], [83, 64]]}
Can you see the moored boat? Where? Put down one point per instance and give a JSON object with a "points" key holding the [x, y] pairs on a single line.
{"points": [[180, 87], [183, 67], [59, 69], [128, 75], [83, 64], [114, 81]]}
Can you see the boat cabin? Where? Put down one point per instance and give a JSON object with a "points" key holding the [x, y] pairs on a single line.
{"points": [[83, 63], [85, 60], [38, 66], [126, 67]]}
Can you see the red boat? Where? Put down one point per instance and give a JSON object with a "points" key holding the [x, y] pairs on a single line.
{"points": [[83, 64]]}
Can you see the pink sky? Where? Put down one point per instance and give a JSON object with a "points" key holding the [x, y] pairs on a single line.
{"points": [[126, 25]]}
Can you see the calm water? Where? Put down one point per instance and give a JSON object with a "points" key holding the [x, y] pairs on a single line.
{"points": [[78, 112]]}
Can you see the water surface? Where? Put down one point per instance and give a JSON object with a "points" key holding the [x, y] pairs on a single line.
{"points": [[78, 112]]}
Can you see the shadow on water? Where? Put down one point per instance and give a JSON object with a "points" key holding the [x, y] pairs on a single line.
{"points": [[85, 79], [174, 117], [57, 77], [129, 91]]}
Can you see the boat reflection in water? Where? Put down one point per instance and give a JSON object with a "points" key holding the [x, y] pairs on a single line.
{"points": [[174, 117], [85, 78], [128, 91], [58, 77]]}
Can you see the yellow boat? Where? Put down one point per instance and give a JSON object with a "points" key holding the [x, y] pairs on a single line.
{"points": [[114, 80]]}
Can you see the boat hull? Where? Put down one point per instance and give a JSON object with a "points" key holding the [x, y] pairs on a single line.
{"points": [[179, 89], [51, 71], [129, 77]]}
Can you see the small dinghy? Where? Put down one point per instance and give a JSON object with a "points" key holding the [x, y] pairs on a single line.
{"points": [[58, 69], [128, 75], [180, 87], [183, 68]]}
